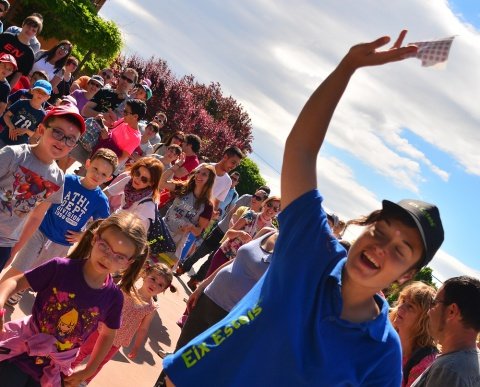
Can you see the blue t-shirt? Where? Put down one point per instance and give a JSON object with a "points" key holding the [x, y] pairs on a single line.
{"points": [[23, 116], [287, 330], [78, 205], [18, 95]]}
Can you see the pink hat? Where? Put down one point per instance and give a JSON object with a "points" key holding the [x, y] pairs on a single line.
{"points": [[67, 110], [7, 58]]}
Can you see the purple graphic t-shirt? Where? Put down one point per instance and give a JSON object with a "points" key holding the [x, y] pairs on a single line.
{"points": [[67, 308]]}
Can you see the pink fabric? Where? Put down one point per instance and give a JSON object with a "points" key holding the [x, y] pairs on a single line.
{"points": [[133, 314], [418, 369], [21, 336], [86, 350], [126, 138]]}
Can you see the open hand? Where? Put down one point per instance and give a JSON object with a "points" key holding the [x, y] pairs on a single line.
{"points": [[366, 54]]}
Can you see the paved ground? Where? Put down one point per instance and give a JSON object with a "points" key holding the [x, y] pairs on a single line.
{"points": [[143, 371]]}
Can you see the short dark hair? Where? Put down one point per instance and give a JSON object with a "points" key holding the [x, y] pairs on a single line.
{"points": [[264, 188], [108, 155], [235, 173], [34, 21], [232, 151], [464, 291], [194, 141], [138, 107], [41, 73], [153, 125], [177, 149]]}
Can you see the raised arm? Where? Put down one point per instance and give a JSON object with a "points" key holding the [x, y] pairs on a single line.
{"points": [[306, 138]]}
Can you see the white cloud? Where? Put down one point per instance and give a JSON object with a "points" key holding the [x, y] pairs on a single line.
{"points": [[271, 55]]}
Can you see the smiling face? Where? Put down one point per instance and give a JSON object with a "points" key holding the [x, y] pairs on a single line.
{"points": [[141, 178], [6, 69], [227, 164], [50, 148], [271, 208], [201, 176], [383, 253]]}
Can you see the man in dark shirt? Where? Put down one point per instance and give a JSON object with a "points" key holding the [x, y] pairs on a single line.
{"points": [[18, 46]]}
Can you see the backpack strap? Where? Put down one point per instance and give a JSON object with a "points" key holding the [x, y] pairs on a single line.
{"points": [[416, 357]]}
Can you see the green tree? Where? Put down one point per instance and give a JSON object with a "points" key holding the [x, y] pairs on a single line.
{"points": [[250, 178], [97, 42], [425, 275]]}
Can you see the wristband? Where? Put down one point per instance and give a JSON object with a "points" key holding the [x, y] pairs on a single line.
{"points": [[2, 312]]}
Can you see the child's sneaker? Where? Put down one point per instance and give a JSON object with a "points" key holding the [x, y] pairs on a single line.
{"points": [[14, 299]]}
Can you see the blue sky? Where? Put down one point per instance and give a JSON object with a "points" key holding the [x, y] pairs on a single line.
{"points": [[400, 131]]}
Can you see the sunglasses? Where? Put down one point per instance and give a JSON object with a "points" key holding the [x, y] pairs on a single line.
{"points": [[106, 75], [58, 135], [107, 250], [274, 208], [125, 78], [70, 62], [143, 179], [64, 48], [258, 198]]}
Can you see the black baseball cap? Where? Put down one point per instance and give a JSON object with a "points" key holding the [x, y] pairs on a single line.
{"points": [[427, 219]]}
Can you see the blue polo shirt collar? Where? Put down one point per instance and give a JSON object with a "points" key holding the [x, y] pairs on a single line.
{"points": [[377, 328]]}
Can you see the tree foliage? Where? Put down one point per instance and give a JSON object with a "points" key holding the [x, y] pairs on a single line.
{"points": [[250, 178], [425, 275], [193, 107], [97, 41]]}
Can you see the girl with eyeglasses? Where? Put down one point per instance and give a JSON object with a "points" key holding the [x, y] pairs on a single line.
{"points": [[52, 61], [138, 188], [243, 231], [192, 209], [74, 295]]}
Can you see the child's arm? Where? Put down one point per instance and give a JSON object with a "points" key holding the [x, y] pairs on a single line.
{"points": [[8, 287], [31, 225], [100, 350], [141, 335], [12, 131], [165, 180]]}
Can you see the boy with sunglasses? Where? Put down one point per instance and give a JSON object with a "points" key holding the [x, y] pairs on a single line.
{"points": [[19, 123], [29, 174]]}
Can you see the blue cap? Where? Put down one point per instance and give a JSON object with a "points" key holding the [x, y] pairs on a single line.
{"points": [[43, 85]]}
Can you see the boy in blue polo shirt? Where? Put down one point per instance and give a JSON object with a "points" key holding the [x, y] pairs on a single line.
{"points": [[52, 229], [315, 318]]}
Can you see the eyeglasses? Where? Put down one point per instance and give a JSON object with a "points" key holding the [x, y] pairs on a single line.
{"points": [[58, 135], [70, 62], [143, 179], [258, 198], [125, 78], [64, 48], [106, 75], [274, 208], [106, 249], [436, 302]]}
